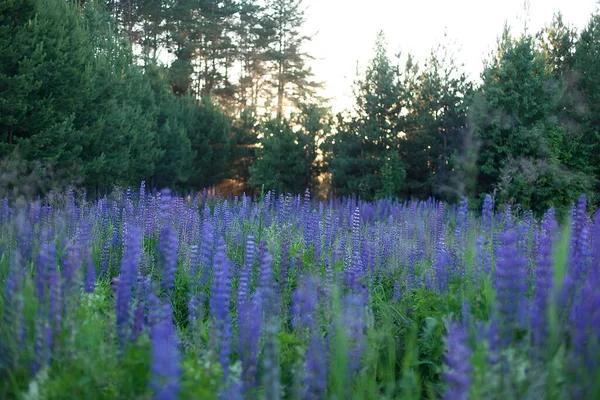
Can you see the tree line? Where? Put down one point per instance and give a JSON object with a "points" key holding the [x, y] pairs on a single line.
{"points": [[186, 94]]}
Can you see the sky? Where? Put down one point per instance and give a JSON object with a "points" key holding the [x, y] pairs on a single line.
{"points": [[345, 31]]}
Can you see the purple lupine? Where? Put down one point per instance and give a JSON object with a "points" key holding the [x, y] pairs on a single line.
{"points": [[126, 283], [543, 279], [462, 226], [441, 266], [219, 304], [247, 270], [168, 247], [285, 263], [104, 259], [87, 258], [265, 283], [194, 261], [397, 295], [304, 305], [315, 369], [487, 213], [458, 364], [249, 327], [165, 367], [439, 222], [46, 264], [510, 284], [55, 316], [574, 272], [465, 313], [206, 251], [353, 320], [328, 230]]}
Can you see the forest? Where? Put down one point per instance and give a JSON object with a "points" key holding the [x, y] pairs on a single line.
{"points": [[191, 95]]}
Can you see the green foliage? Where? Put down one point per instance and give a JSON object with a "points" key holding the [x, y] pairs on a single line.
{"points": [[78, 109], [362, 145], [284, 159], [526, 153]]}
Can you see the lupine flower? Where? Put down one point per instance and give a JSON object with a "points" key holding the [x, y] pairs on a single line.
{"points": [[285, 263], [126, 282], [543, 279], [206, 251], [165, 366], [304, 304], [353, 320], [315, 369], [219, 304], [397, 292], [457, 360], [265, 283], [249, 326], [510, 284], [487, 213], [168, 247], [247, 269]]}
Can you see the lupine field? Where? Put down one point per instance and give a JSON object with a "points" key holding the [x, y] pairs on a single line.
{"points": [[153, 296]]}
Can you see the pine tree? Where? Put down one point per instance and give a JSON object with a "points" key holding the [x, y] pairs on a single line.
{"points": [[435, 124], [290, 74], [518, 132], [365, 142], [587, 71], [282, 162]]}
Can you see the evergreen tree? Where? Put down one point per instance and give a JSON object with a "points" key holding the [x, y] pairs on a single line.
{"points": [[282, 163], [587, 71], [516, 126], [365, 143], [45, 75], [209, 131], [290, 73], [434, 125]]}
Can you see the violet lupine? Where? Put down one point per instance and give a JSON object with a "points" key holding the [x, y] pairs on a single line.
{"points": [[219, 305], [265, 283], [354, 323], [168, 247], [86, 256], [104, 258], [462, 230], [285, 264], [165, 367], [458, 364], [543, 279], [487, 213], [510, 284], [397, 292], [441, 266], [305, 301], [574, 272], [249, 326], [206, 251], [466, 313], [126, 283], [55, 315], [271, 376], [247, 270], [315, 369], [328, 276], [46, 264]]}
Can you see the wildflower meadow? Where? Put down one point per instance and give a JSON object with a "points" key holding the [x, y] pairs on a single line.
{"points": [[152, 295]]}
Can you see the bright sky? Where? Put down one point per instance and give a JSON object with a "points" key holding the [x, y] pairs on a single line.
{"points": [[346, 31]]}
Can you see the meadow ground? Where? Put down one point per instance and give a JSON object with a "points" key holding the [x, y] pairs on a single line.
{"points": [[141, 295]]}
